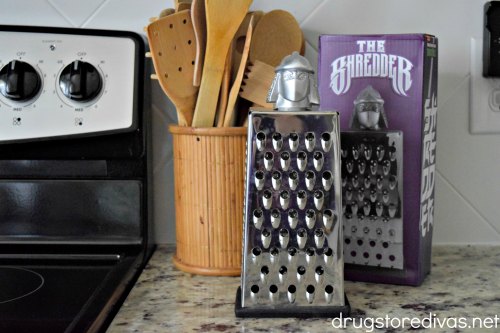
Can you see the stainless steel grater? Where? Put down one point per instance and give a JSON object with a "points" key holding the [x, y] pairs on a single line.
{"points": [[372, 170], [292, 248]]}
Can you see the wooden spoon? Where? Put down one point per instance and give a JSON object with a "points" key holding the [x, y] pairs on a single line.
{"points": [[200, 31], [171, 40], [183, 6], [277, 35], [166, 12], [223, 19], [230, 116]]}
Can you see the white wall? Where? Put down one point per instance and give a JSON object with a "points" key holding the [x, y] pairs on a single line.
{"points": [[468, 183]]}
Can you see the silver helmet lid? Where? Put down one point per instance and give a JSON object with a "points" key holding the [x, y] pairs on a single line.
{"points": [[294, 87], [295, 61]]}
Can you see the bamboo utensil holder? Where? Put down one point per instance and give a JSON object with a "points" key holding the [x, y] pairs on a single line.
{"points": [[209, 187]]}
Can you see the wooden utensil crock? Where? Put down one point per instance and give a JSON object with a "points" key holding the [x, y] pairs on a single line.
{"points": [[209, 190]]}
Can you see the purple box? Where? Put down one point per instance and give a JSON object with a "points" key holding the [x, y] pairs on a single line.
{"points": [[385, 89]]}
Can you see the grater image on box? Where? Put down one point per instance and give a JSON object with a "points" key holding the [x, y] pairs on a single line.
{"points": [[385, 90], [372, 185], [292, 243]]}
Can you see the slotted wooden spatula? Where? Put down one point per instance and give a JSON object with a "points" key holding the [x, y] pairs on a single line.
{"points": [[223, 19], [258, 79], [171, 39], [230, 115]]}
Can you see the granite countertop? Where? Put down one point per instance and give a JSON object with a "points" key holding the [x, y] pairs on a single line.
{"points": [[465, 282]]}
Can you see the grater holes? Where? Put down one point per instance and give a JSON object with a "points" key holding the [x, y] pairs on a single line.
{"points": [[310, 293], [301, 199], [310, 218], [327, 180], [291, 293], [385, 245], [378, 256], [328, 256], [347, 241], [293, 141], [259, 180], [310, 255], [266, 238], [326, 141], [366, 255], [284, 199], [258, 218], [329, 289], [284, 237], [353, 253], [277, 141], [310, 141], [285, 160], [301, 160], [392, 257], [256, 254], [318, 160], [329, 219], [275, 218], [268, 155], [273, 288], [274, 253], [301, 238], [261, 140], [254, 289]]}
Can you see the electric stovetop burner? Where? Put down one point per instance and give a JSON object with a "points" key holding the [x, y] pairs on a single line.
{"points": [[17, 283], [51, 295]]}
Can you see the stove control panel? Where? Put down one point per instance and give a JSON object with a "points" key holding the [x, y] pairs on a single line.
{"points": [[54, 85]]}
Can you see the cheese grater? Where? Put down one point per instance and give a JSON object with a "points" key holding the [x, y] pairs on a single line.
{"points": [[372, 169], [292, 248]]}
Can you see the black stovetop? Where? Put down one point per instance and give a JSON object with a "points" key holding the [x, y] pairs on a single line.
{"points": [[63, 293]]}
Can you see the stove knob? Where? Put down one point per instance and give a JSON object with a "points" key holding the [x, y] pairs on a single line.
{"points": [[80, 81], [19, 81]]}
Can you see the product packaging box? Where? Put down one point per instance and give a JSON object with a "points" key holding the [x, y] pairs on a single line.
{"points": [[385, 89]]}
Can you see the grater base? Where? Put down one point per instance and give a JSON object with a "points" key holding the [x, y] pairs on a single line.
{"points": [[294, 312]]}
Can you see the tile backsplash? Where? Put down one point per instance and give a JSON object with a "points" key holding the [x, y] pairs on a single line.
{"points": [[468, 176]]}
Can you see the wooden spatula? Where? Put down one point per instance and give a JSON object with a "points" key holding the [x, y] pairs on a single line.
{"points": [[240, 38], [171, 39], [224, 90], [200, 31], [223, 19], [258, 80], [229, 118]]}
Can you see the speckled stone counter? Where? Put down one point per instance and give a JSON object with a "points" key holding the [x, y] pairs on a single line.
{"points": [[465, 282]]}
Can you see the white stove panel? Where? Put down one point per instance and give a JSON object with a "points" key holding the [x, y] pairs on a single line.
{"points": [[58, 85]]}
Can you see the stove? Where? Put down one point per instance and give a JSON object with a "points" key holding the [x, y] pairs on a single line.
{"points": [[74, 176]]}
